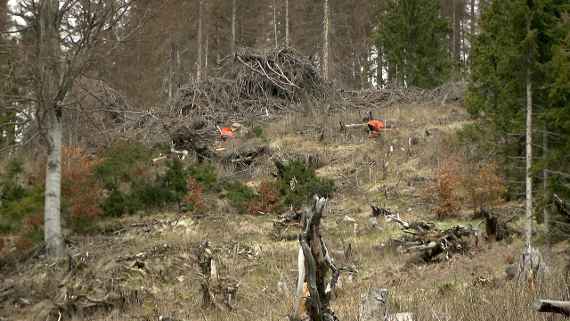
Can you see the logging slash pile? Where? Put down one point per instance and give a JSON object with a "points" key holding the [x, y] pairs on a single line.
{"points": [[252, 83], [374, 98], [431, 243]]}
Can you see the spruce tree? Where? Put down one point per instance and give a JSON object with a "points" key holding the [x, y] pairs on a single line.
{"points": [[413, 37]]}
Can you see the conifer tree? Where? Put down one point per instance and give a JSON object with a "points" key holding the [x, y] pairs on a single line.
{"points": [[413, 36]]}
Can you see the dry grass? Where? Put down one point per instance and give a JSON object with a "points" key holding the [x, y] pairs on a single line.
{"points": [[444, 291]]}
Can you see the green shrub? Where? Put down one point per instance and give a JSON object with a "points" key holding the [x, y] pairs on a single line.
{"points": [[175, 180], [153, 195], [115, 204], [206, 175], [15, 211], [122, 162], [10, 188], [239, 195], [298, 184], [258, 131]]}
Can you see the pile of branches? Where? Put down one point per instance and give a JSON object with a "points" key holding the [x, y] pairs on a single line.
{"points": [[429, 242], [252, 83], [374, 98]]}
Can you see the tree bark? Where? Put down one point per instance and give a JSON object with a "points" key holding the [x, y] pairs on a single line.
{"points": [[326, 23], [47, 92], [379, 66], [287, 23], [545, 191], [52, 215], [275, 38], [473, 18], [529, 199], [200, 30], [234, 13], [173, 65]]}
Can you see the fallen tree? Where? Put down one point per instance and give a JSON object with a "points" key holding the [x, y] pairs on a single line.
{"points": [[552, 306]]}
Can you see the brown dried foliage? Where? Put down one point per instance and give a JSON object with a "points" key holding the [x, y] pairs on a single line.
{"points": [[446, 189], [195, 195], [267, 200], [484, 186], [82, 192]]}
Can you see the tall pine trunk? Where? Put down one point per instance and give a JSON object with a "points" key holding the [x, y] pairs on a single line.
{"points": [[326, 22], [234, 13], [200, 30], [276, 41], [287, 23], [529, 199], [545, 191]]}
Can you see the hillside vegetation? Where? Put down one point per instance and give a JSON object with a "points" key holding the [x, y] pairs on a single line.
{"points": [[138, 261]]}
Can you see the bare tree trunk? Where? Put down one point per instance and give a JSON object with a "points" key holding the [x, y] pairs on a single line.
{"points": [[49, 74], [52, 216], [275, 24], [326, 22], [287, 23], [545, 191], [473, 18], [206, 56], [528, 148], [172, 71], [379, 66], [200, 30], [234, 13]]}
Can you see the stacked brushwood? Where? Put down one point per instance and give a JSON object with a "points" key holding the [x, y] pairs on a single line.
{"points": [[390, 95], [429, 242], [252, 83]]}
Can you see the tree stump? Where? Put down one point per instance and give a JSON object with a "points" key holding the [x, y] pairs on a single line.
{"points": [[205, 264]]}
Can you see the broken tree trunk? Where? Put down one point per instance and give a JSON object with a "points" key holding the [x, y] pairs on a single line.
{"points": [[561, 307], [314, 262], [205, 263]]}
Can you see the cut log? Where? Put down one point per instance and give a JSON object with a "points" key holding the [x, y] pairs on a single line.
{"points": [[552, 306]]}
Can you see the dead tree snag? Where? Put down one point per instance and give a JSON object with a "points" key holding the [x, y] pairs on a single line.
{"points": [[314, 263]]}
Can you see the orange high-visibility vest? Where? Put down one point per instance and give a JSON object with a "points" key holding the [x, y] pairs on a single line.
{"points": [[227, 133], [376, 125]]}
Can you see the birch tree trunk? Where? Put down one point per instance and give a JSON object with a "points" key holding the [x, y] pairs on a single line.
{"points": [[47, 88], [234, 13], [326, 23], [287, 23], [199, 62]]}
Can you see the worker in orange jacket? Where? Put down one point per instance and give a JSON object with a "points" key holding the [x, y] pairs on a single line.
{"points": [[375, 126]]}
